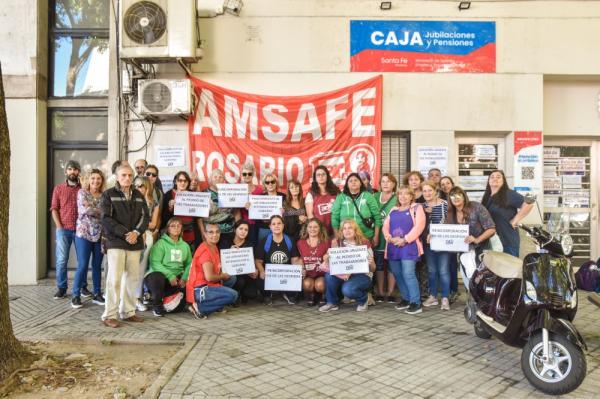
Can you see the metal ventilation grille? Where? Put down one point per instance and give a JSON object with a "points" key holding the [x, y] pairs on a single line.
{"points": [[145, 22], [395, 153], [156, 97]]}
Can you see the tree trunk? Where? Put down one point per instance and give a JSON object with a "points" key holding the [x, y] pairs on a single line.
{"points": [[11, 351]]}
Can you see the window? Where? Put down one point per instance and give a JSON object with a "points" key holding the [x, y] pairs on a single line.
{"points": [[78, 68], [395, 153], [79, 48]]}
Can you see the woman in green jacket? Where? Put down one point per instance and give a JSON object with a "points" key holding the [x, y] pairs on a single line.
{"points": [[170, 260], [356, 203]]}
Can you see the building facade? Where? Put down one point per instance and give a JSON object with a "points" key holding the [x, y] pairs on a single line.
{"points": [[64, 103]]}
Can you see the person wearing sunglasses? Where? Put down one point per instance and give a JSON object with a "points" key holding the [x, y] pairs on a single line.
{"points": [[248, 173], [463, 211], [270, 187], [151, 173], [181, 183]]}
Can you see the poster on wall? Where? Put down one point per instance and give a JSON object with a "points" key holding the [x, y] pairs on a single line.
{"points": [[289, 135], [529, 162], [429, 157], [170, 156], [422, 46]]}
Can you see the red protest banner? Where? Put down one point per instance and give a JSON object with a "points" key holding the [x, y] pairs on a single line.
{"points": [[288, 136]]}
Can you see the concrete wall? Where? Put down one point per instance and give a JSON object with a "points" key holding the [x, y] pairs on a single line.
{"points": [[24, 60]]}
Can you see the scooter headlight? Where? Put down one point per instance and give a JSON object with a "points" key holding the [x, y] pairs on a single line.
{"points": [[530, 291], [566, 242]]}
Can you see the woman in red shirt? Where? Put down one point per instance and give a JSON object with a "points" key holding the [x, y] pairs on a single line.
{"points": [[312, 246], [320, 198], [205, 289]]}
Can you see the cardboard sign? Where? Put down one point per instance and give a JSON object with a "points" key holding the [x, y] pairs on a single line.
{"points": [[449, 237], [232, 195], [348, 260], [192, 203], [262, 207], [283, 277], [237, 261]]}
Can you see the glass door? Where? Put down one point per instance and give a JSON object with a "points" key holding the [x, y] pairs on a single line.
{"points": [[570, 185]]}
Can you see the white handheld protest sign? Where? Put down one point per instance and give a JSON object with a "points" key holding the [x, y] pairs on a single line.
{"points": [[283, 277], [262, 207], [449, 237], [348, 260], [236, 261], [192, 203], [232, 195]]}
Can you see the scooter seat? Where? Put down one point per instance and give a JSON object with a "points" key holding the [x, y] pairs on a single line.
{"points": [[503, 265]]}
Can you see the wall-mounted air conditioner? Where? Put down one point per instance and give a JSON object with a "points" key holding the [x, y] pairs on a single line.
{"points": [[158, 30], [164, 97]]}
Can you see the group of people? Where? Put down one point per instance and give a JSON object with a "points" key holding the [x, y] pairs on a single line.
{"points": [[173, 262]]}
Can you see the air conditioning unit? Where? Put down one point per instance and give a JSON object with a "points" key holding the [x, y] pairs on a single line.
{"points": [[158, 30], [164, 97]]}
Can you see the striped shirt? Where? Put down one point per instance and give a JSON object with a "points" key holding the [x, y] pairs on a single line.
{"points": [[438, 213]]}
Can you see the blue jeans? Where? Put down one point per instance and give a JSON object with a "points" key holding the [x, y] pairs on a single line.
{"points": [[406, 279], [85, 249], [210, 299], [229, 283], [514, 251], [453, 272], [64, 239], [356, 287], [438, 264]]}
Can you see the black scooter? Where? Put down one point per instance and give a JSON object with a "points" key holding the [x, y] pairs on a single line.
{"points": [[530, 304]]}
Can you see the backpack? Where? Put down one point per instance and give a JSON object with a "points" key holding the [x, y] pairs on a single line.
{"points": [[587, 276], [269, 242]]}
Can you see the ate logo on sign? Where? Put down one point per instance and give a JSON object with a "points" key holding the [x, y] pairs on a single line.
{"points": [[279, 257]]}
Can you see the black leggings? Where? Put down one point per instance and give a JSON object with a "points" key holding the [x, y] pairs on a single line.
{"points": [[159, 287]]}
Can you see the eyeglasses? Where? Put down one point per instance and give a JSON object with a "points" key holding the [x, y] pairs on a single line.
{"points": [[150, 174], [247, 174], [270, 182], [139, 186], [182, 181], [456, 197]]}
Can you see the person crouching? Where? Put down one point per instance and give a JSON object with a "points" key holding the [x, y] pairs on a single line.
{"points": [[208, 289], [170, 260]]}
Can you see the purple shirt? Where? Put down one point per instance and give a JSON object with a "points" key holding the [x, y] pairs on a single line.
{"points": [[401, 223]]}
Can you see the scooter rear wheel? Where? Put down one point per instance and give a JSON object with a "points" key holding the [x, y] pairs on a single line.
{"points": [[480, 331], [561, 375]]}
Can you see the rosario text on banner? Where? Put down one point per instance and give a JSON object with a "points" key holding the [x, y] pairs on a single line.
{"points": [[286, 135]]}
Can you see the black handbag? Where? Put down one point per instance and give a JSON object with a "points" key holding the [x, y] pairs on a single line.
{"points": [[368, 222]]}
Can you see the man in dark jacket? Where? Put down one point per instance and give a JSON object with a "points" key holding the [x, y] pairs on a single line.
{"points": [[125, 218]]}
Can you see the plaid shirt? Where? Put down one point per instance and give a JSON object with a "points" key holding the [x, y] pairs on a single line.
{"points": [[64, 200]]}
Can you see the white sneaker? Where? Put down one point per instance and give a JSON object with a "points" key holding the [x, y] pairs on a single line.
{"points": [[445, 304], [140, 306], [328, 307], [363, 308], [431, 301], [288, 299]]}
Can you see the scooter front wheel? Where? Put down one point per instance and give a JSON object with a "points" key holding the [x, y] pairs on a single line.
{"points": [[480, 331], [561, 373]]}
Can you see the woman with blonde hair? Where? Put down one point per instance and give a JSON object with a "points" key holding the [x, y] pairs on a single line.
{"points": [[402, 228], [270, 186], [353, 286], [248, 174], [87, 236], [145, 187], [313, 246]]}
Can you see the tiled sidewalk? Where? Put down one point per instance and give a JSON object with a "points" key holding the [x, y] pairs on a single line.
{"points": [[285, 351]]}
